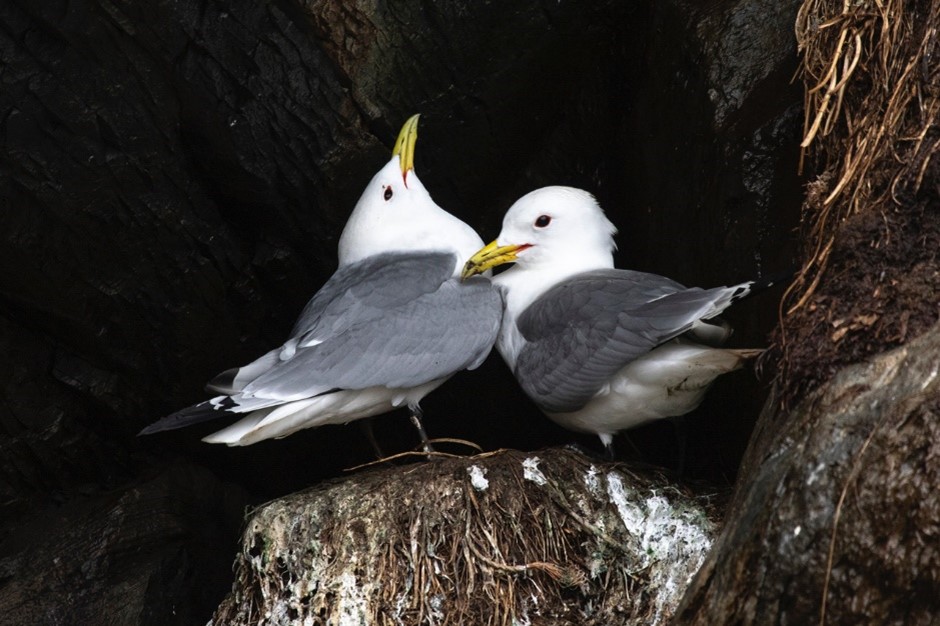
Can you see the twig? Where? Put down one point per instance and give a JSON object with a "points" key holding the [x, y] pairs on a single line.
{"points": [[401, 455]]}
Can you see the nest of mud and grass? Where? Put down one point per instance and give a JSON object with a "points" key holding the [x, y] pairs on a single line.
{"points": [[871, 219], [501, 538]]}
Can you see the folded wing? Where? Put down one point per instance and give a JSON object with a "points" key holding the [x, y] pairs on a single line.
{"points": [[582, 331], [397, 320]]}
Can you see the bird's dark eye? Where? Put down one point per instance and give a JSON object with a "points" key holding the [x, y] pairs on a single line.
{"points": [[388, 193], [543, 221]]}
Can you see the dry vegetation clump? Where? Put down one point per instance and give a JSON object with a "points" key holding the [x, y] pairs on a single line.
{"points": [[871, 217]]}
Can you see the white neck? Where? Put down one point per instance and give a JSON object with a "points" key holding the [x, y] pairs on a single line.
{"points": [[523, 283], [434, 230]]}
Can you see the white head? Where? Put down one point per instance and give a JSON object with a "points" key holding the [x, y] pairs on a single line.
{"points": [[561, 229], [396, 213]]}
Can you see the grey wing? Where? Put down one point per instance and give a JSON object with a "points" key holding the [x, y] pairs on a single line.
{"points": [[354, 294], [386, 339], [581, 332], [593, 299]]}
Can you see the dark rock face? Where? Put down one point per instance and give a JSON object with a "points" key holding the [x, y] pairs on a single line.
{"points": [[710, 181], [713, 134], [175, 177], [147, 554], [838, 521]]}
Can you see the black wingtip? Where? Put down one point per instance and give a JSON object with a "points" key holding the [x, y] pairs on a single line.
{"points": [[747, 290], [202, 412], [149, 430], [772, 280]]}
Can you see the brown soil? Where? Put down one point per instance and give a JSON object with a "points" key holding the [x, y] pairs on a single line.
{"points": [[882, 288], [871, 220]]}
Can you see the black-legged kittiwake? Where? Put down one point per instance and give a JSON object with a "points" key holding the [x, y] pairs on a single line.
{"points": [[392, 324], [600, 350]]}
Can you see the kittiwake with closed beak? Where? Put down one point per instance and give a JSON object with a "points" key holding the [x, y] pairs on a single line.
{"points": [[391, 325], [598, 349]]}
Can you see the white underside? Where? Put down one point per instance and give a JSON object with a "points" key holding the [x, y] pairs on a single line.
{"points": [[669, 381], [338, 407]]}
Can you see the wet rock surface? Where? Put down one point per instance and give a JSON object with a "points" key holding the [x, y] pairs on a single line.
{"points": [[838, 520], [147, 554]]}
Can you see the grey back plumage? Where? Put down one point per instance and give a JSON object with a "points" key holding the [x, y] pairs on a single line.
{"points": [[582, 331]]}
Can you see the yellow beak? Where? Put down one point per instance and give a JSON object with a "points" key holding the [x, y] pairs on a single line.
{"points": [[489, 257], [405, 144]]}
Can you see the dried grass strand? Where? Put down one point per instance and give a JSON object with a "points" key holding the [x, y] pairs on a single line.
{"points": [[837, 515], [861, 92]]}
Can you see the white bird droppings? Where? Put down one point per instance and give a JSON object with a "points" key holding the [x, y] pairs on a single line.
{"points": [[478, 477], [531, 471], [353, 601], [671, 542], [592, 481], [632, 515]]}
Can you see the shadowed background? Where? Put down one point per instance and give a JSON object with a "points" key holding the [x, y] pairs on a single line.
{"points": [[175, 177]]}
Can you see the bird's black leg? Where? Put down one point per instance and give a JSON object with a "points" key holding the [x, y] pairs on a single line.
{"points": [[682, 437], [416, 415], [637, 455], [366, 425]]}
